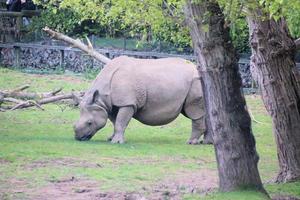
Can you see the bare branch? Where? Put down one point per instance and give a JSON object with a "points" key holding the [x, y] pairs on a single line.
{"points": [[89, 43], [78, 44], [24, 87], [38, 103], [17, 99], [18, 94], [13, 100]]}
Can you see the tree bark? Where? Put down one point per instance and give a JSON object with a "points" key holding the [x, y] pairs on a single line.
{"points": [[273, 52], [218, 66]]}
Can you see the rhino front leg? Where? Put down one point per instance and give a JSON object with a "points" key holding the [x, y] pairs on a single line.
{"points": [[113, 120], [123, 117], [198, 129]]}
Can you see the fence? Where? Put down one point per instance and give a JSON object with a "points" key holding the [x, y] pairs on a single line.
{"points": [[12, 27], [57, 57]]}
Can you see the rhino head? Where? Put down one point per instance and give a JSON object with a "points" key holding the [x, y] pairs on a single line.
{"points": [[93, 117]]}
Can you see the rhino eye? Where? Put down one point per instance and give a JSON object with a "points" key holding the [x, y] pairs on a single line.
{"points": [[89, 123]]}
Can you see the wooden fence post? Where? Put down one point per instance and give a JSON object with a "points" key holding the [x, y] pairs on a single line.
{"points": [[17, 52], [61, 59], [19, 23]]}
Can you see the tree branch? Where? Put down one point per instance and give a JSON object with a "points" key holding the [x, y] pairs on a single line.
{"points": [[18, 99], [78, 44], [47, 100]]}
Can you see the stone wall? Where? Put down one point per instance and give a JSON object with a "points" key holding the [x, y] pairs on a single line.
{"points": [[47, 59], [73, 60]]}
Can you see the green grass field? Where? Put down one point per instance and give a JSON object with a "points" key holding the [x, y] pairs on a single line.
{"points": [[39, 158]]}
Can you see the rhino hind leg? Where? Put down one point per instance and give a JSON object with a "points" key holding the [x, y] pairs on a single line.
{"points": [[198, 129], [123, 117]]}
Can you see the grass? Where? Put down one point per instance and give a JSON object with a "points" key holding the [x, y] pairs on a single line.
{"points": [[37, 148]]}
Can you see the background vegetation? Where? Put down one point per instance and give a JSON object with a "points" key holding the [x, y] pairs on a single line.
{"points": [[151, 22]]}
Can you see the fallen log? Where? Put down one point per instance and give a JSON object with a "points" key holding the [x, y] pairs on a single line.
{"points": [[39, 103], [20, 94], [18, 99]]}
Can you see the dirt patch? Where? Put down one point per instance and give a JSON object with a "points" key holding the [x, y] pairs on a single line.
{"points": [[74, 188], [13, 189], [4, 161], [280, 197], [66, 162], [174, 187], [67, 189], [77, 189]]}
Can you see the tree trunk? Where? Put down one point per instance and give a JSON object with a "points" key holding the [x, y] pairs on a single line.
{"points": [[273, 52], [207, 138], [218, 66]]}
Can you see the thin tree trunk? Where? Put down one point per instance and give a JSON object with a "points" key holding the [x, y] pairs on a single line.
{"points": [[273, 52], [218, 65]]}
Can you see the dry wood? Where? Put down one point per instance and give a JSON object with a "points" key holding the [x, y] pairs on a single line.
{"points": [[78, 44], [29, 103], [20, 94], [18, 99], [38, 103], [253, 118], [24, 87], [13, 100]]}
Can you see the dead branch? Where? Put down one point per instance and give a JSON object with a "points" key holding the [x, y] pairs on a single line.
{"points": [[20, 94], [27, 103], [12, 100], [253, 119], [78, 44], [24, 87], [38, 103], [18, 99]]}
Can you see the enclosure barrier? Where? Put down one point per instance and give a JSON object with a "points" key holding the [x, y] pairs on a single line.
{"points": [[11, 24], [61, 55], [110, 53]]}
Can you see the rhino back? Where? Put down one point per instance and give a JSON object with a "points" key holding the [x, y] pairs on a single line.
{"points": [[156, 88]]}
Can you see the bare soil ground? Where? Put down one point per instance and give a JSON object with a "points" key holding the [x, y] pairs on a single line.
{"points": [[78, 188]]}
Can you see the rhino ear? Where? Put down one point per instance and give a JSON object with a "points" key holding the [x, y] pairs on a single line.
{"points": [[95, 97]]}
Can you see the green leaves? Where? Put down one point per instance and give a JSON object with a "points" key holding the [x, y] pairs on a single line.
{"points": [[157, 20]]}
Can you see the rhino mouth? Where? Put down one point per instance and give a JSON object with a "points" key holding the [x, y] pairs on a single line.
{"points": [[85, 137]]}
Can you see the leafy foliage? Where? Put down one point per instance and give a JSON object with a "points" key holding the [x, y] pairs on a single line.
{"points": [[156, 20]]}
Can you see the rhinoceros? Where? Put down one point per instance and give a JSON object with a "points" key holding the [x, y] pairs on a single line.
{"points": [[153, 91]]}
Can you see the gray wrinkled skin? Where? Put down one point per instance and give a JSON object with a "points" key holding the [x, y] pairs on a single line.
{"points": [[152, 91]]}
